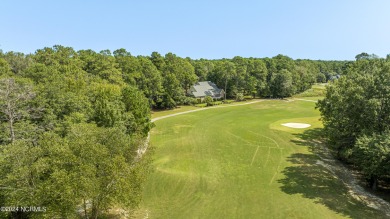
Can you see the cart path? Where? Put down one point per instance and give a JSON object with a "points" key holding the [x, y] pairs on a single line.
{"points": [[205, 108]]}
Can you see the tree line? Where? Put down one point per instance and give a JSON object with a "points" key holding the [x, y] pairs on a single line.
{"points": [[72, 121], [356, 117], [165, 80], [69, 134]]}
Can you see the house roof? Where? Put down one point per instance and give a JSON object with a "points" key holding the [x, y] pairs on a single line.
{"points": [[206, 88], [335, 77]]}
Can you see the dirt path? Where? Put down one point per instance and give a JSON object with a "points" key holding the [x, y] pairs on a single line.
{"points": [[344, 174]]}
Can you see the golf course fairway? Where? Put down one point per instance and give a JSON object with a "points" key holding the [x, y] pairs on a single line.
{"points": [[240, 162]]}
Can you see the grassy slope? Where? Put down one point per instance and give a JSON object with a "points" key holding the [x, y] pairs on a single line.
{"points": [[159, 113], [239, 162], [317, 90], [172, 111]]}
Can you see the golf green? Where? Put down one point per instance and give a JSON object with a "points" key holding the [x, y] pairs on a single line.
{"points": [[240, 162]]}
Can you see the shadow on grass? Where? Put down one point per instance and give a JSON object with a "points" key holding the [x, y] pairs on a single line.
{"points": [[312, 180]]}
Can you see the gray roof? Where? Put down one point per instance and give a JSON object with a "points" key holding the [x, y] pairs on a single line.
{"points": [[335, 77], [206, 88]]}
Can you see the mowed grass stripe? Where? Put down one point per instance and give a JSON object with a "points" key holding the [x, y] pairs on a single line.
{"points": [[202, 171], [254, 155]]}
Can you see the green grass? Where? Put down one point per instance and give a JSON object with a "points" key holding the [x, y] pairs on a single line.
{"points": [[319, 86], [309, 98], [201, 105], [159, 113], [317, 90], [239, 162], [179, 109]]}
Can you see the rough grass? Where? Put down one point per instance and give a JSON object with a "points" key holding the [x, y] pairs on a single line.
{"points": [[239, 162], [317, 90], [158, 113]]}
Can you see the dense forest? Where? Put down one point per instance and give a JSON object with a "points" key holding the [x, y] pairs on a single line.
{"points": [[164, 80], [72, 121], [356, 117]]}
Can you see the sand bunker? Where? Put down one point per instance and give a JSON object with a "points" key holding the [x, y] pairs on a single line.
{"points": [[297, 125]]}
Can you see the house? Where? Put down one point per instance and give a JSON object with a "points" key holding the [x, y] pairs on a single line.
{"points": [[205, 88], [334, 77]]}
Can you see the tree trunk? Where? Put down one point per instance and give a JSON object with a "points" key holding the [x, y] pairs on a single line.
{"points": [[85, 210], [19, 215], [11, 129], [373, 183], [10, 115], [225, 88], [95, 211]]}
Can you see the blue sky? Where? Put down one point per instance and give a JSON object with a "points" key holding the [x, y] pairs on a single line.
{"points": [[327, 30]]}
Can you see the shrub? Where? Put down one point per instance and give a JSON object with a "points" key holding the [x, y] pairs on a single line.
{"points": [[227, 101], [239, 97], [216, 103], [189, 101], [208, 100], [168, 102], [248, 97]]}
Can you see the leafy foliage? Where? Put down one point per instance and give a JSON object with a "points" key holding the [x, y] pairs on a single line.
{"points": [[208, 100], [240, 97], [356, 116], [73, 127], [372, 155]]}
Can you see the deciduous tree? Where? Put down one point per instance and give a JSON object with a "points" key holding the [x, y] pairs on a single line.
{"points": [[14, 102]]}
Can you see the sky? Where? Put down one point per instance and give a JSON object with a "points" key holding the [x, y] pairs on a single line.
{"points": [[210, 29]]}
